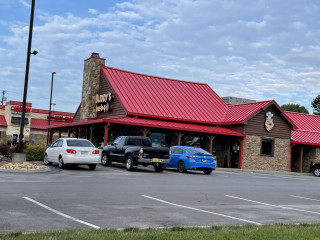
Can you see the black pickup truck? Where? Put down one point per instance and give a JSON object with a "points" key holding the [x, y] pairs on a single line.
{"points": [[134, 151]]}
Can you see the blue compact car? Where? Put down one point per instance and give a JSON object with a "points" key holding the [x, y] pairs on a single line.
{"points": [[186, 158]]}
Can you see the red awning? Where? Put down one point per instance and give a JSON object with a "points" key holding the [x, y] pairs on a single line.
{"points": [[42, 124], [174, 126], [3, 122], [156, 124]]}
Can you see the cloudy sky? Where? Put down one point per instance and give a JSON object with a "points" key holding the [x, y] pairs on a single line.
{"points": [[261, 50]]}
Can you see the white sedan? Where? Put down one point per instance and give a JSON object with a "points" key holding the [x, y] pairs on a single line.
{"points": [[73, 151]]}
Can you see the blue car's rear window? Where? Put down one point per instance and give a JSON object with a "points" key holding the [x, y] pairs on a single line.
{"points": [[198, 151]]}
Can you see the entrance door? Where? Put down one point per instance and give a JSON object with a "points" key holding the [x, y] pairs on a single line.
{"points": [[234, 154], [14, 139]]}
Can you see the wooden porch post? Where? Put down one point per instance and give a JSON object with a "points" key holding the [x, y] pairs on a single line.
{"points": [[301, 159], [60, 130], [211, 138], [50, 136], [69, 132], [106, 133], [144, 131], [91, 133], [79, 132], [179, 136]]}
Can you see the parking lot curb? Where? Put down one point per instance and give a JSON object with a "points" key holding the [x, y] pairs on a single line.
{"points": [[236, 170]]}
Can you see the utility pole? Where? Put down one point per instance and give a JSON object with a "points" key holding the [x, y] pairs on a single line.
{"points": [[3, 98], [26, 78]]}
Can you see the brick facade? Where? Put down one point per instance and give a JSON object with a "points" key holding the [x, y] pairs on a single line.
{"points": [[252, 159]]}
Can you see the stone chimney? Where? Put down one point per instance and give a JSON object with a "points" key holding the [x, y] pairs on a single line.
{"points": [[90, 86]]}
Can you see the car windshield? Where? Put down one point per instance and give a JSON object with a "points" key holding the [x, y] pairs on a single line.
{"points": [[198, 151], [79, 143]]}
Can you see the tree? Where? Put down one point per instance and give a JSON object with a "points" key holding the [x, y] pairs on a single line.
{"points": [[294, 108], [316, 105]]}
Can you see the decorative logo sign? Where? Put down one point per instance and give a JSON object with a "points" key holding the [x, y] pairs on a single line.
{"points": [[19, 109], [103, 102], [269, 121]]}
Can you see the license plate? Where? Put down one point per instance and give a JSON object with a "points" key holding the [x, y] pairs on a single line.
{"points": [[155, 159], [204, 160], [84, 153]]}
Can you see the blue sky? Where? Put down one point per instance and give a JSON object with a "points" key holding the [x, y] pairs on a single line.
{"points": [[261, 50]]}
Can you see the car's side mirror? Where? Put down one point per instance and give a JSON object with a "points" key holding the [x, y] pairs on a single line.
{"points": [[49, 145]]}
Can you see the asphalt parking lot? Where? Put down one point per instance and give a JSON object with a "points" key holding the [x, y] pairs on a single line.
{"points": [[112, 197]]}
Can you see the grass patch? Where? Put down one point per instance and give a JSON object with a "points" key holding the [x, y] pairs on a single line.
{"points": [[244, 232]]}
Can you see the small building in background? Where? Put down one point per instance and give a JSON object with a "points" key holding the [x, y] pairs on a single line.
{"points": [[35, 123], [237, 100]]}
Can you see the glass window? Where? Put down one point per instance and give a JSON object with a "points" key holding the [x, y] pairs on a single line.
{"points": [[117, 141], [134, 142], [173, 150], [79, 143], [198, 151], [146, 142], [60, 143], [159, 139], [267, 146], [121, 142], [55, 144], [180, 151]]}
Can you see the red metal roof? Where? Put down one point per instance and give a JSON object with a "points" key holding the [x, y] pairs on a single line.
{"points": [[34, 110], [239, 113], [304, 121], [162, 98], [305, 137], [18, 103], [42, 124], [308, 128], [3, 122]]}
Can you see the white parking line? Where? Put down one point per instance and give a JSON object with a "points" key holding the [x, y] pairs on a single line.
{"points": [[61, 214], [200, 210], [271, 205], [305, 198]]}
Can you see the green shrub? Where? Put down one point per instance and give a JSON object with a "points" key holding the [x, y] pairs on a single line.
{"points": [[34, 152]]}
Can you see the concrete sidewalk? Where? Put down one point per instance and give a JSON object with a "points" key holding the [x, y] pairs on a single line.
{"points": [[237, 170]]}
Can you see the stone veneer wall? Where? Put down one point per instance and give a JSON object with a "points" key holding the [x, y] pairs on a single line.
{"points": [[311, 154], [90, 87], [253, 160]]}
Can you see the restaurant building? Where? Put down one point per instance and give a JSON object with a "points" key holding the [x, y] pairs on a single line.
{"points": [[35, 123], [251, 135]]}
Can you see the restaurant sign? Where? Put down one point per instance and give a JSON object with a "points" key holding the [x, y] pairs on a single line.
{"points": [[103, 102], [269, 121]]}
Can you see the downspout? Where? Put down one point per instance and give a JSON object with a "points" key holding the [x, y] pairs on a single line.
{"points": [[290, 161], [241, 152]]}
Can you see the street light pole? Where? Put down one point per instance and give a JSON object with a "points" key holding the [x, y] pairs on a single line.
{"points": [[26, 78], [53, 73]]}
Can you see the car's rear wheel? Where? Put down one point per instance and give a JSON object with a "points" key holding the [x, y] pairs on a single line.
{"points": [[46, 161], [92, 166], [61, 163], [105, 161], [158, 168], [182, 167], [207, 171], [129, 163], [316, 172]]}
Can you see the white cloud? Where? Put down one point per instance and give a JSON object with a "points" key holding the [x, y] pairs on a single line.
{"points": [[93, 11], [258, 50]]}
